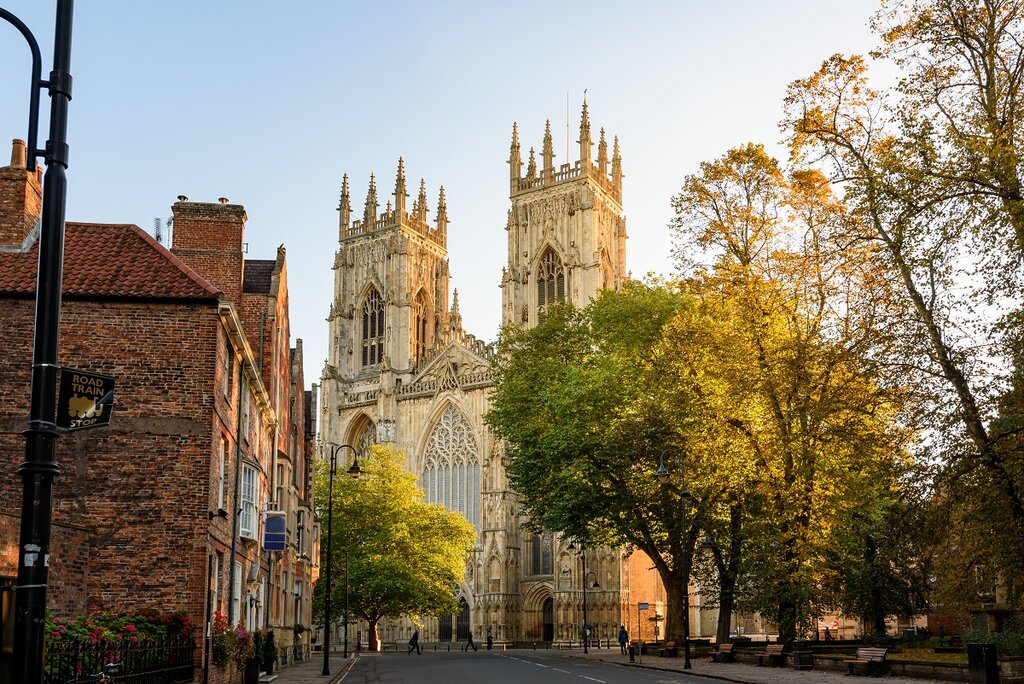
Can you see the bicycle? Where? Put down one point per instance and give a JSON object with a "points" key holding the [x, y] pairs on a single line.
{"points": [[106, 675]]}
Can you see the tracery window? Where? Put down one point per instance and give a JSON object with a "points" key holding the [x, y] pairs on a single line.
{"points": [[420, 326], [373, 329], [451, 468], [542, 563], [550, 282]]}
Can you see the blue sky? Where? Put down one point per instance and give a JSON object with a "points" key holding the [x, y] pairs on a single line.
{"points": [[269, 106]]}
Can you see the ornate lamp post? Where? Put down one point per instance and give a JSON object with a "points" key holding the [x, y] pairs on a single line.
{"points": [[586, 578], [40, 466], [354, 471], [662, 475]]}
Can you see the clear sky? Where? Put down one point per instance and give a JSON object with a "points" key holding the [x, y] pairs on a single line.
{"points": [[269, 103]]}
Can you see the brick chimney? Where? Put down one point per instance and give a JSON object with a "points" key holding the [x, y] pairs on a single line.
{"points": [[208, 237], [21, 195]]}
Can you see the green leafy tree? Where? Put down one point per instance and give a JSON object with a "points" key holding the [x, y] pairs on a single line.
{"points": [[404, 556]]}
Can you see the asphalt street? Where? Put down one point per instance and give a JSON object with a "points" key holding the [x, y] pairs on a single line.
{"points": [[495, 667]]}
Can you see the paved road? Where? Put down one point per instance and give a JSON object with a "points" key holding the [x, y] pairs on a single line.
{"points": [[512, 667]]}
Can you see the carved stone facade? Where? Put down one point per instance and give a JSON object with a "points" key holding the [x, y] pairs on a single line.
{"points": [[401, 369]]}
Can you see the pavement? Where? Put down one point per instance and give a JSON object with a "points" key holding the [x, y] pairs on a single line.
{"points": [[740, 672], [311, 671]]}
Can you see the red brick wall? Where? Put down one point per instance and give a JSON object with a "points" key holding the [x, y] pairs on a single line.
{"points": [[20, 198], [208, 237]]}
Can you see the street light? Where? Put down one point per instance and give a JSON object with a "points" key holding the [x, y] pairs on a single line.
{"points": [[354, 471], [586, 578], [40, 466], [662, 475]]}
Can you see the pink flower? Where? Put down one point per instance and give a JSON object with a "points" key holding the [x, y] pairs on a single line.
{"points": [[129, 628], [55, 634], [134, 638]]}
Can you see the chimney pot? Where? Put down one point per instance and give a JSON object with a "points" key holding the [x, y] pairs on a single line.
{"points": [[182, 198], [18, 157], [222, 200]]}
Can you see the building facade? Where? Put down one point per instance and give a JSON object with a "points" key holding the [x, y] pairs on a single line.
{"points": [[402, 369], [164, 509]]}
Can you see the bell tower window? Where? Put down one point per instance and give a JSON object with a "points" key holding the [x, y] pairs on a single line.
{"points": [[550, 282], [373, 329], [420, 326]]}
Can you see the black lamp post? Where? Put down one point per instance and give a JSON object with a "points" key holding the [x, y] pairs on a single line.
{"points": [[354, 471], [586, 578], [663, 476], [40, 466]]}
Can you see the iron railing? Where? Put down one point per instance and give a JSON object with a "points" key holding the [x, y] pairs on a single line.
{"points": [[150, 661]]}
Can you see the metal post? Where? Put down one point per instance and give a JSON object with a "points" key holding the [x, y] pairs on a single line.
{"points": [[40, 466], [583, 555], [344, 653], [687, 561], [327, 572]]}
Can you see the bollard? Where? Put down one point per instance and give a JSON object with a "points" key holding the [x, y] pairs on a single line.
{"points": [[534, 645], [632, 653]]}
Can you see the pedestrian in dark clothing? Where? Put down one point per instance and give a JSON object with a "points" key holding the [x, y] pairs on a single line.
{"points": [[469, 644], [490, 640], [623, 638], [414, 644]]}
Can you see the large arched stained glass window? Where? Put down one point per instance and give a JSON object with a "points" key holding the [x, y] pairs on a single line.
{"points": [[367, 436], [550, 282], [451, 467], [373, 329]]}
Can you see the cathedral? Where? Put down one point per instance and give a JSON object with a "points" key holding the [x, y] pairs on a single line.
{"points": [[401, 369]]}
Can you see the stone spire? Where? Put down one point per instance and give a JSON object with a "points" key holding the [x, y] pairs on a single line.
{"points": [[420, 207], [515, 161], [370, 209], [585, 137], [400, 193], [548, 151], [344, 208], [455, 317], [442, 213], [531, 168], [616, 165], [602, 155]]}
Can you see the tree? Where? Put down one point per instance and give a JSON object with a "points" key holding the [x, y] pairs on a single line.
{"points": [[802, 305], [404, 556]]}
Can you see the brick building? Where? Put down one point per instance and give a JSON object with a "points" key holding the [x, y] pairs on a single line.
{"points": [[164, 509]]}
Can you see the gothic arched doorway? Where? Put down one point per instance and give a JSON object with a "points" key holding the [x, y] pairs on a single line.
{"points": [[462, 622], [549, 619]]}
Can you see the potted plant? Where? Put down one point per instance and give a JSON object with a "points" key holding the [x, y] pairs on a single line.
{"points": [[269, 653]]}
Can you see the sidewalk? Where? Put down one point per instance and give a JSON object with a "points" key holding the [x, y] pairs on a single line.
{"points": [[739, 672], [311, 671]]}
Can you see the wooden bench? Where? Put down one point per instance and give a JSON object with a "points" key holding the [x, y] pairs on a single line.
{"points": [[724, 654], [871, 657], [669, 650], [771, 655]]}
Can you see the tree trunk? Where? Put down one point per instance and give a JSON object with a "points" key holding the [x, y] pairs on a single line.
{"points": [[726, 602], [372, 635], [675, 595]]}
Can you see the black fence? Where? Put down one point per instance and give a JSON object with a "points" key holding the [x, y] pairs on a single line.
{"points": [[151, 661]]}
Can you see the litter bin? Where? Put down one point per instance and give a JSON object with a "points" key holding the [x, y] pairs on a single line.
{"points": [[803, 656], [982, 666]]}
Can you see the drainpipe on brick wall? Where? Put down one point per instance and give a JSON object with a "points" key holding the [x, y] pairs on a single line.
{"points": [[238, 484]]}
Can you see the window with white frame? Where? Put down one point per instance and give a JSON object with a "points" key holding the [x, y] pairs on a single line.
{"points": [[247, 520], [236, 594], [451, 470]]}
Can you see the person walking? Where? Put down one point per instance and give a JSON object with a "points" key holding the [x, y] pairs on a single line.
{"points": [[623, 638], [414, 644], [490, 640], [469, 643]]}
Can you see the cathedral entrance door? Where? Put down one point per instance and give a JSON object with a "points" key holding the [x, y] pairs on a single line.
{"points": [[549, 619], [462, 624]]}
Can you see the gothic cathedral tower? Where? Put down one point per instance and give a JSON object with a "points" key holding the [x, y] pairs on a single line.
{"points": [[566, 231], [390, 302]]}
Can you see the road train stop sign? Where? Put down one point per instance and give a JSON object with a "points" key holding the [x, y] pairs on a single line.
{"points": [[84, 399]]}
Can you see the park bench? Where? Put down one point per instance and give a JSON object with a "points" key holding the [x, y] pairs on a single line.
{"points": [[771, 655], [871, 657], [724, 654], [669, 650]]}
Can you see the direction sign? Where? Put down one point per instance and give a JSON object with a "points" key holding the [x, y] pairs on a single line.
{"points": [[643, 606], [84, 399], [274, 527]]}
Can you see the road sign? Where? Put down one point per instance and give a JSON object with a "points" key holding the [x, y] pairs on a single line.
{"points": [[643, 606], [84, 399]]}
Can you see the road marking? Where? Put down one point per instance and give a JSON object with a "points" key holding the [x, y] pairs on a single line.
{"points": [[592, 679], [562, 671]]}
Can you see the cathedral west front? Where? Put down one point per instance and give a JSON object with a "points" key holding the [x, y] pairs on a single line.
{"points": [[401, 369]]}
